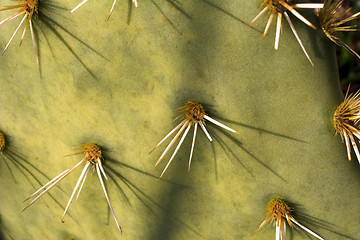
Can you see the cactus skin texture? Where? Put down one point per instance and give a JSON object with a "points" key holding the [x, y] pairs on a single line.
{"points": [[281, 106]]}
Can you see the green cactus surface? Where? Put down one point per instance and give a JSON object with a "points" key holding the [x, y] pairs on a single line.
{"points": [[118, 82]]}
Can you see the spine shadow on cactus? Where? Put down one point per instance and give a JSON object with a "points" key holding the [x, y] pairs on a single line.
{"points": [[259, 129], [25, 167], [230, 14], [46, 24], [241, 146], [146, 199], [309, 220], [177, 7], [228, 151]]}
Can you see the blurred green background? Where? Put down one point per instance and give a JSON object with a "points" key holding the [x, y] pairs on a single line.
{"points": [[349, 65]]}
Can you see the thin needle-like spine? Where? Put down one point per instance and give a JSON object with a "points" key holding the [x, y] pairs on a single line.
{"points": [[176, 149], [172, 142], [47, 189], [261, 13], [135, 3], [47, 184], [278, 31], [15, 15], [192, 145], [66, 172], [78, 6], [25, 28], [17, 29], [348, 149], [106, 196], [76, 187], [297, 37], [298, 15], [349, 49], [101, 168], [82, 183], [34, 43], [268, 25], [219, 124], [169, 134], [306, 229], [355, 132], [262, 224], [13, 7], [205, 131], [284, 228], [309, 5], [112, 8], [356, 150]]}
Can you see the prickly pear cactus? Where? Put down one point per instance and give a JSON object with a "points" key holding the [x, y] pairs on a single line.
{"points": [[119, 83]]}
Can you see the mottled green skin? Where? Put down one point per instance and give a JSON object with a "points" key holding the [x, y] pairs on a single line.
{"points": [[151, 71]]}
